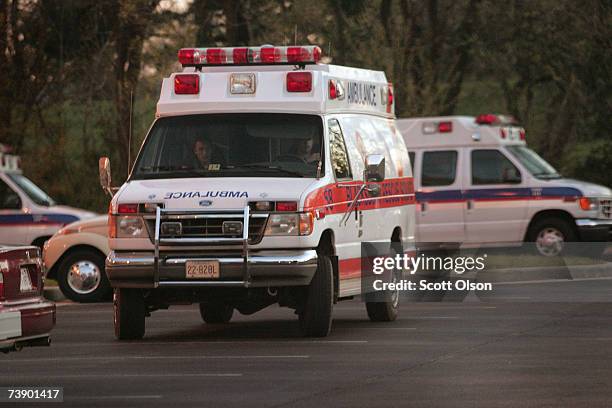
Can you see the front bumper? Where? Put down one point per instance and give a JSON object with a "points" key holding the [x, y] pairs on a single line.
{"points": [[266, 268], [594, 230]]}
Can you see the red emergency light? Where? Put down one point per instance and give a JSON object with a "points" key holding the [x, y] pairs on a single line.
{"points": [[264, 55], [445, 127], [495, 119], [187, 84], [300, 81]]}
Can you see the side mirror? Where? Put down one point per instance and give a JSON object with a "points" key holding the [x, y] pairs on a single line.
{"points": [[374, 168], [105, 174]]}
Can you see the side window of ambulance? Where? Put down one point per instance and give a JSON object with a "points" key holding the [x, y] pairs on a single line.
{"points": [[492, 167], [439, 168], [339, 156], [9, 200]]}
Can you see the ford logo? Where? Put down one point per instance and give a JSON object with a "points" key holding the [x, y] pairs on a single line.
{"points": [[205, 203]]}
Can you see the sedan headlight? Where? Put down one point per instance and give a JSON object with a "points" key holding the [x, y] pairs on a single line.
{"points": [[292, 224]]}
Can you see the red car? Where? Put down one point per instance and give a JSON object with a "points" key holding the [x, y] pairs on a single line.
{"points": [[26, 318]]}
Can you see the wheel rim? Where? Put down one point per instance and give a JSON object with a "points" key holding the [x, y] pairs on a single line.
{"points": [[550, 241], [84, 277]]}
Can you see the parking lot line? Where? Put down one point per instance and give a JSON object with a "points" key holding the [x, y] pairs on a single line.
{"points": [[212, 342], [120, 358], [162, 374]]}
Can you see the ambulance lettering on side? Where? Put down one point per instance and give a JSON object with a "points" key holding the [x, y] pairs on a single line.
{"points": [[478, 184], [259, 179], [28, 216]]}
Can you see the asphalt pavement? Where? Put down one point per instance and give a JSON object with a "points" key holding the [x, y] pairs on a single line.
{"points": [[534, 345]]}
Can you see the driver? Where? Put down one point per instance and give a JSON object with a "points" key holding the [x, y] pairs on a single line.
{"points": [[303, 149], [202, 149]]}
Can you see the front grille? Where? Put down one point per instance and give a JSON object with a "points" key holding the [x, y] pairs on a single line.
{"points": [[606, 208], [194, 226]]}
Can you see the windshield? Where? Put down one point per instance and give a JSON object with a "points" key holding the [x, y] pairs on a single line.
{"points": [[232, 145], [536, 165], [32, 190]]}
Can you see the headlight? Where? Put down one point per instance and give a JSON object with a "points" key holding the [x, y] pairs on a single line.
{"points": [[290, 224], [129, 226], [589, 204]]}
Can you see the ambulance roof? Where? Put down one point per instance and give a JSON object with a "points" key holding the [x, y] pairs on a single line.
{"points": [[265, 88], [455, 131]]}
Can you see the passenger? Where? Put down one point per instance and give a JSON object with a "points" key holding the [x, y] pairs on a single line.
{"points": [[303, 149]]}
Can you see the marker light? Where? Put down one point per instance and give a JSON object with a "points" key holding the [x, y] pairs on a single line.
{"points": [[333, 91], [286, 206], [588, 204], [306, 54], [127, 209], [522, 135], [390, 97], [299, 81], [187, 84]]}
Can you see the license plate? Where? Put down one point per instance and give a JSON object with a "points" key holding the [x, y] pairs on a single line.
{"points": [[26, 283], [202, 269]]}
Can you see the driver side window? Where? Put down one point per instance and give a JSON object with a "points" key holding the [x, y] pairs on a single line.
{"points": [[492, 167], [9, 200], [339, 155]]}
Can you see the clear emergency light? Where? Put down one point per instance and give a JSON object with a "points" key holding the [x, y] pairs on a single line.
{"points": [[264, 55]]}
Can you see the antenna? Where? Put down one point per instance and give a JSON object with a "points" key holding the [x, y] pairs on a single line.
{"points": [[295, 34], [329, 49], [129, 163]]}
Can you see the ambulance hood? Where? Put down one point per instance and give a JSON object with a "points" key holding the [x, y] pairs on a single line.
{"points": [[587, 189], [214, 193]]}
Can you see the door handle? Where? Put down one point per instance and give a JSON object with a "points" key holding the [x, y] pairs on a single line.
{"points": [[470, 204]]}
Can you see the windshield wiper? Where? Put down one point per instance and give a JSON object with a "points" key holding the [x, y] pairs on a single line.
{"points": [[264, 167]]}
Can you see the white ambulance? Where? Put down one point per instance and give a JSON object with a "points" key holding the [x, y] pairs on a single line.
{"points": [[478, 184], [259, 179], [28, 216]]}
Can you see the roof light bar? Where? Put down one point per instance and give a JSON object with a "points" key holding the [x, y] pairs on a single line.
{"points": [[496, 120], [305, 54]]}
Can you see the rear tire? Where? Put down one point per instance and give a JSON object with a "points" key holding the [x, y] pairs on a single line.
{"points": [[215, 313], [129, 314], [316, 314]]}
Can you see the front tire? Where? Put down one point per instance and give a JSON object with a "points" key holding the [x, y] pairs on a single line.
{"points": [[81, 276], [387, 309], [129, 314], [316, 314], [216, 313], [551, 235]]}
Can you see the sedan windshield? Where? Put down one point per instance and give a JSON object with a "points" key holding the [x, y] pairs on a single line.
{"points": [[536, 165], [232, 145], [32, 190]]}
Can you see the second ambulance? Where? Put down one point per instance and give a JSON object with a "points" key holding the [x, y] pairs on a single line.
{"points": [[479, 184], [261, 176]]}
